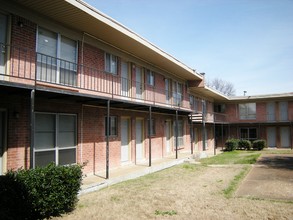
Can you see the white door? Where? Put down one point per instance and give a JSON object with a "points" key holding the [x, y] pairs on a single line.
{"points": [[285, 136], [271, 137], [139, 82], [283, 108], [2, 138], [139, 139], [3, 22], [168, 136], [124, 140], [270, 111], [124, 79]]}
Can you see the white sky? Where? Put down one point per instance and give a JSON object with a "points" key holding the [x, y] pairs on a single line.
{"points": [[246, 42]]}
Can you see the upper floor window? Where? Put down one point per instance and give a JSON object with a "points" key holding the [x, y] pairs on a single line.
{"points": [[247, 111], [56, 58], [111, 63], [177, 93], [150, 77]]}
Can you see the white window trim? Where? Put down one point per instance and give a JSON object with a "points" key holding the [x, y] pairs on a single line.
{"points": [[56, 147]]}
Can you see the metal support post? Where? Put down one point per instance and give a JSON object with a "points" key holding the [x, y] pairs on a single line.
{"points": [[150, 136], [176, 135], [32, 125], [107, 139]]}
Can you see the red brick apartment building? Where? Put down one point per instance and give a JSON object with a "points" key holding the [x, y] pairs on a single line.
{"points": [[77, 86]]}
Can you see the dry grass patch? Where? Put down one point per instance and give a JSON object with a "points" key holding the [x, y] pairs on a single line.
{"points": [[182, 192]]}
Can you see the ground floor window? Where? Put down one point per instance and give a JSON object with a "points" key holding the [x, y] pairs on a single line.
{"points": [[55, 139], [180, 133], [248, 134]]}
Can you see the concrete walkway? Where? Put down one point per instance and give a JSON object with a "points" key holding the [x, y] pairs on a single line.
{"points": [[98, 181], [270, 178]]}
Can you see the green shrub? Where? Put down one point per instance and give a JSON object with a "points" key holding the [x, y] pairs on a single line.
{"points": [[48, 191], [231, 144], [259, 144], [244, 144]]}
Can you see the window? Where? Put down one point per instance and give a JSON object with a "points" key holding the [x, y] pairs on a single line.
{"points": [[180, 133], [113, 126], [153, 127], [167, 90], [247, 111], [55, 139], [56, 58], [177, 93], [220, 108], [111, 63], [248, 134], [150, 77]]}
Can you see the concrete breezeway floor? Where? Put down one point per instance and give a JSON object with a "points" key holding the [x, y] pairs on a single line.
{"points": [[270, 178]]}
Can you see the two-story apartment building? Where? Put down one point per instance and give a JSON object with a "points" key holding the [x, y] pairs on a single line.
{"points": [[267, 117], [76, 86]]}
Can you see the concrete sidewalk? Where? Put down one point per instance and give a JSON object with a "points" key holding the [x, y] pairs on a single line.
{"points": [[270, 178], [98, 181]]}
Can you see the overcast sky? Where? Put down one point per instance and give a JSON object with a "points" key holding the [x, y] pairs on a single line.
{"points": [[246, 42]]}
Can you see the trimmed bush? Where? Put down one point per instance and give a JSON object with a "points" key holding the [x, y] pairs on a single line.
{"points": [[259, 144], [48, 191], [244, 144], [231, 144]]}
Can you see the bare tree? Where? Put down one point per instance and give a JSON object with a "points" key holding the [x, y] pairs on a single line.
{"points": [[227, 88]]}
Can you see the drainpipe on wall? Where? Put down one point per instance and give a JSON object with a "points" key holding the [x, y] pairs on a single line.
{"points": [[32, 125], [107, 139], [176, 134], [203, 125], [150, 138]]}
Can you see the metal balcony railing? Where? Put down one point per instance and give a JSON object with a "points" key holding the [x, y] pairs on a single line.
{"points": [[25, 66]]}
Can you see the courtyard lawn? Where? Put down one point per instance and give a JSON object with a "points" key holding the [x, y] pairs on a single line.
{"points": [[186, 191]]}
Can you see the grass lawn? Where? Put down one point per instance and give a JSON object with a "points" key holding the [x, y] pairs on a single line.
{"points": [[233, 157], [186, 191]]}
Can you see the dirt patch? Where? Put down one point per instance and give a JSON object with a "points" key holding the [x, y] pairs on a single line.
{"points": [[270, 178], [181, 192]]}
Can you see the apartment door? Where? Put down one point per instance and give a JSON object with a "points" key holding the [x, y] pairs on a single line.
{"points": [[3, 27], [124, 79], [270, 111], [125, 140], [2, 138], [285, 136], [139, 139], [168, 136], [283, 108], [139, 83], [271, 137]]}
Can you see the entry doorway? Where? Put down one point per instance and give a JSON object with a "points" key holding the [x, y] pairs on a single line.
{"points": [[271, 137], [3, 140], [125, 140], [285, 137], [139, 152], [168, 136]]}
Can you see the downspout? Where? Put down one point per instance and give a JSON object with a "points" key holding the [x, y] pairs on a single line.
{"points": [[191, 135], [176, 134], [32, 125], [150, 138], [203, 126], [215, 151], [107, 139]]}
